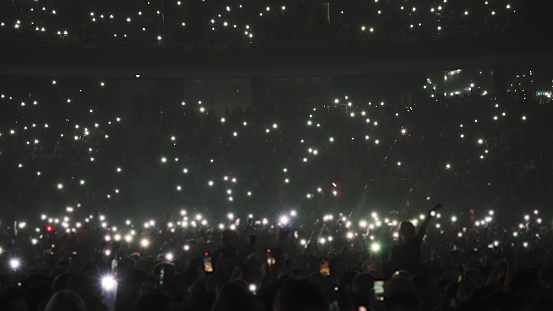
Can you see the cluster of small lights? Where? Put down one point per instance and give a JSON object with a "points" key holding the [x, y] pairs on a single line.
{"points": [[247, 19], [372, 230]]}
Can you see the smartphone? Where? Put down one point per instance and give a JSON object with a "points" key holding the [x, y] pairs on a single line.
{"points": [[270, 258], [378, 286], [109, 291], [208, 266], [324, 267], [161, 275], [114, 263]]}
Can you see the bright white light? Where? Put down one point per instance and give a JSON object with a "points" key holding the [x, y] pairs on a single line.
{"points": [[375, 247], [15, 263], [109, 283]]}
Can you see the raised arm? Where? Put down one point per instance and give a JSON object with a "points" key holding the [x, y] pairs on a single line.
{"points": [[427, 219]]}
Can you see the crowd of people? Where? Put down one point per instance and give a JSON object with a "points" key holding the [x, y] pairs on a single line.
{"points": [[56, 154], [322, 205], [280, 205], [187, 262], [340, 155], [462, 151], [172, 22]]}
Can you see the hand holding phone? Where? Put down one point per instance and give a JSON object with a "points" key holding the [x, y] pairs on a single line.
{"points": [[270, 258], [324, 267], [433, 211], [208, 266], [378, 287]]}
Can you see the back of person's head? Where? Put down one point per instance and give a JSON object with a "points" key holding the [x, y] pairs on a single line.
{"points": [[221, 284], [12, 299], [427, 289], [402, 274], [90, 269], [197, 262], [83, 285], [483, 292], [65, 300], [361, 287], [60, 282], [229, 239], [36, 279], [476, 276], [148, 284], [252, 269], [196, 290], [403, 302], [192, 275], [477, 305], [527, 286], [38, 295], [156, 301], [136, 276], [396, 286], [406, 230], [235, 297], [126, 264], [465, 291], [337, 266], [507, 301], [522, 282], [311, 266], [348, 276], [541, 304], [299, 295]]}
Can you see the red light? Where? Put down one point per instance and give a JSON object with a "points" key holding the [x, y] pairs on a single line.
{"points": [[206, 254], [49, 228]]}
